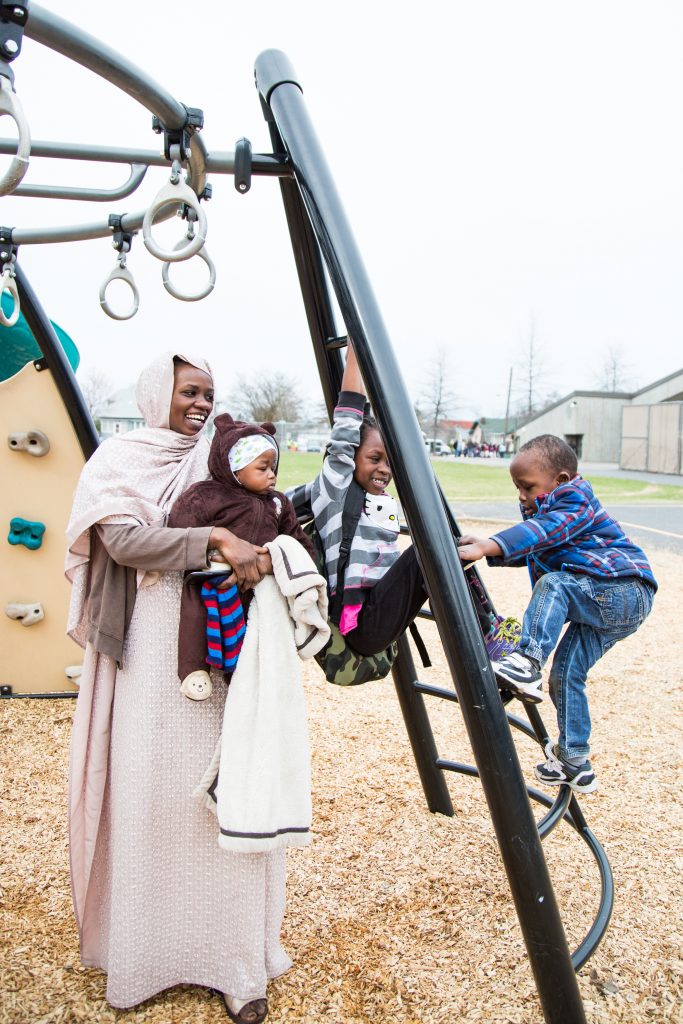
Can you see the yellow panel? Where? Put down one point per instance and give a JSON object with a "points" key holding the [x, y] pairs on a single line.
{"points": [[33, 658]]}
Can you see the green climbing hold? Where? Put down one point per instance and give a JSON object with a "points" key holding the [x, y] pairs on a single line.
{"points": [[26, 532]]}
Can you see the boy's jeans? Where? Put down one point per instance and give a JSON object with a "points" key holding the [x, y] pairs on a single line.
{"points": [[599, 613]]}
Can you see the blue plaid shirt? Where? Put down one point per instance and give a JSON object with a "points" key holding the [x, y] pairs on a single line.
{"points": [[571, 532]]}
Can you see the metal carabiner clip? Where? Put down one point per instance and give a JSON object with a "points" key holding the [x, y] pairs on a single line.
{"points": [[9, 284], [176, 192], [203, 255], [120, 273], [9, 104]]}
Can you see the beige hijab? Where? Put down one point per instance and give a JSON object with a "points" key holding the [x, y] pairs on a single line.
{"points": [[135, 477]]}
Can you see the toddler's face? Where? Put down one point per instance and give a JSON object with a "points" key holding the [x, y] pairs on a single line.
{"points": [[373, 471], [259, 476], [533, 477]]}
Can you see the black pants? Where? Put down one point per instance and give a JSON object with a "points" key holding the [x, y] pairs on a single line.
{"points": [[393, 603]]}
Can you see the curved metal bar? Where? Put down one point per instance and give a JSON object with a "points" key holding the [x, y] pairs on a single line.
{"points": [[595, 933], [95, 195], [9, 104], [172, 289], [120, 273], [557, 812], [62, 36]]}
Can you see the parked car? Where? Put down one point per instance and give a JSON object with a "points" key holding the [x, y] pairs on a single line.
{"points": [[436, 447]]}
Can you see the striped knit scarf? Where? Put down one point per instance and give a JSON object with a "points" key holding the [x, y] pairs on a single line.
{"points": [[225, 626]]}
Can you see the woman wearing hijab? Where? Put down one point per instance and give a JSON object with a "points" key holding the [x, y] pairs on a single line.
{"points": [[158, 903]]}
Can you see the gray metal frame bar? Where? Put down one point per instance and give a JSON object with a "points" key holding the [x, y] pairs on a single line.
{"points": [[199, 165], [62, 36], [219, 162], [93, 195], [101, 229]]}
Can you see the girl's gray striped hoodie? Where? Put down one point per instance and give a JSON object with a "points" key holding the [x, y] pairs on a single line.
{"points": [[373, 548]]}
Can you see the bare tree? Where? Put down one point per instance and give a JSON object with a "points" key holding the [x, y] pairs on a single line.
{"points": [[95, 387], [531, 372], [266, 397], [437, 399], [614, 373]]}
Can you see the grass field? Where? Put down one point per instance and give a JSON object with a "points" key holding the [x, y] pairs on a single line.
{"points": [[486, 482]]}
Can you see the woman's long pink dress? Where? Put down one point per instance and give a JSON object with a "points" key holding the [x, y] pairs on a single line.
{"points": [[158, 902]]}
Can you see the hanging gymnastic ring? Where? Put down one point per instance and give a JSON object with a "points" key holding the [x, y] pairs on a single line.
{"points": [[120, 273], [9, 284], [175, 194], [9, 104], [171, 288]]}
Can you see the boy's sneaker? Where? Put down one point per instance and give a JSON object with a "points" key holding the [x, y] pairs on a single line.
{"points": [[520, 675], [558, 772], [503, 638]]}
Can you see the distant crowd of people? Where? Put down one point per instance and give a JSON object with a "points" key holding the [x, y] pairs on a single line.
{"points": [[483, 450]]}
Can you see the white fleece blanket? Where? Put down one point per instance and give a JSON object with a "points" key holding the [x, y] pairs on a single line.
{"points": [[306, 591], [259, 779]]}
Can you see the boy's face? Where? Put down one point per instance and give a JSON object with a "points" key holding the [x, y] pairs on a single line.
{"points": [[532, 477], [260, 475], [373, 471]]}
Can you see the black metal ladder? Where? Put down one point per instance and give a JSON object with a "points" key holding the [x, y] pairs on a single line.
{"points": [[325, 254]]}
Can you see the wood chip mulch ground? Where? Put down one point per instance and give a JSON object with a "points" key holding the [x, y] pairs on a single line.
{"points": [[394, 914]]}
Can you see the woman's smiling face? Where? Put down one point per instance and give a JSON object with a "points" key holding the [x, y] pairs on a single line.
{"points": [[192, 399]]}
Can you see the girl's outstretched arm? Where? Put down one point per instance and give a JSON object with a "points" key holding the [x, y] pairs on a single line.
{"points": [[352, 380]]}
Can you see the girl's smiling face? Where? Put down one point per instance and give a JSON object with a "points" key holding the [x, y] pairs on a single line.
{"points": [[373, 471]]}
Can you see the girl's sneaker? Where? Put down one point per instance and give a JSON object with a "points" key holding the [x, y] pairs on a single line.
{"points": [[558, 772], [503, 638], [520, 675]]}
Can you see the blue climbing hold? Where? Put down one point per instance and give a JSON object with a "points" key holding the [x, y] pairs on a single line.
{"points": [[26, 532]]}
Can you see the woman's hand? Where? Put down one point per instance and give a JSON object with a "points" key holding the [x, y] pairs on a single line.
{"points": [[249, 562], [265, 564]]}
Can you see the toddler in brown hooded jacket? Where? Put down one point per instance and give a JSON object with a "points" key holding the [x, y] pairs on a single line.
{"points": [[241, 497]]}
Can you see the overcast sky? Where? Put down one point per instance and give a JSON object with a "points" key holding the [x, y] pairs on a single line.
{"points": [[505, 166]]}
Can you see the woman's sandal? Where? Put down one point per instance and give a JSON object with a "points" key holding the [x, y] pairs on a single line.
{"points": [[254, 1012]]}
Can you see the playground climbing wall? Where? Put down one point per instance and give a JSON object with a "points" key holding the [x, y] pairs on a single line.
{"points": [[40, 461]]}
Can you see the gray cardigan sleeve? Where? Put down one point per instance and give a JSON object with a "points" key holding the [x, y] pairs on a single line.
{"points": [[156, 547]]}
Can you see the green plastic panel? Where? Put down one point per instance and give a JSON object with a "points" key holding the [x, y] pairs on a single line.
{"points": [[18, 346]]}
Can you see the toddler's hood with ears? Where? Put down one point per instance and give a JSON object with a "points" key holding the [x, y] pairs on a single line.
{"points": [[228, 432]]}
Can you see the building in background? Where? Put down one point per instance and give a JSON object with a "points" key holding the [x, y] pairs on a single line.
{"points": [[641, 430], [118, 413]]}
